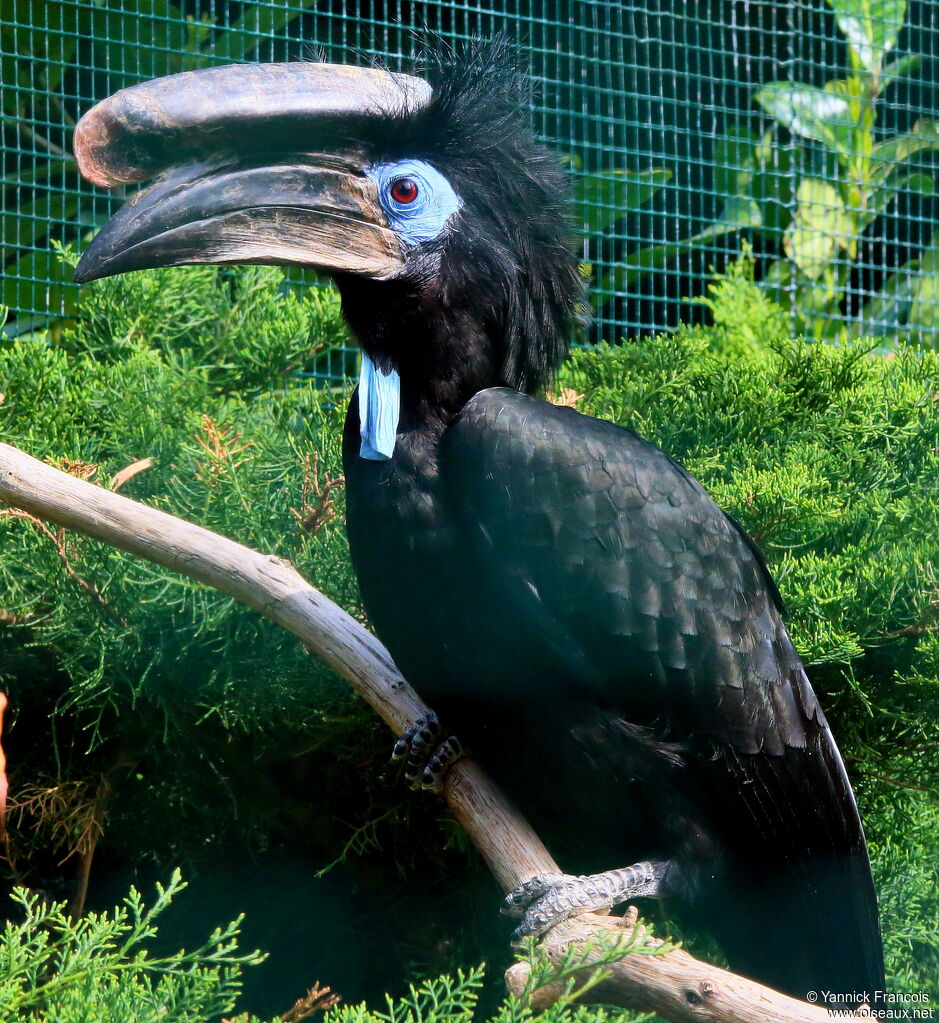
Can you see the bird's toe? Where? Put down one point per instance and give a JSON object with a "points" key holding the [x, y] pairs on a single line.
{"points": [[518, 901], [547, 899], [428, 756]]}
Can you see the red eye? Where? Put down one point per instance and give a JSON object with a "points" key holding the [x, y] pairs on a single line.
{"points": [[404, 191]]}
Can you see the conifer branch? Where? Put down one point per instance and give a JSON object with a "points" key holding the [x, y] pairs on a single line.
{"points": [[673, 984]]}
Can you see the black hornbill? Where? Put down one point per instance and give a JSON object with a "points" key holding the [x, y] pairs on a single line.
{"points": [[601, 635]]}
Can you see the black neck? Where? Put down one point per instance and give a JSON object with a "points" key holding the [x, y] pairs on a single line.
{"points": [[450, 334], [443, 353]]}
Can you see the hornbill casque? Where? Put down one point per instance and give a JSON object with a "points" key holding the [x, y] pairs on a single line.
{"points": [[602, 637]]}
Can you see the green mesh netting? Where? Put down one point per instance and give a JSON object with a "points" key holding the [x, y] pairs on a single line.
{"points": [[799, 130]]}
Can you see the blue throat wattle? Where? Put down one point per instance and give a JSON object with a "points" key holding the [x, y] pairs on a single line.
{"points": [[379, 406]]}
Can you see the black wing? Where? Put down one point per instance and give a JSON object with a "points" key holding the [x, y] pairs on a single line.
{"points": [[663, 605]]}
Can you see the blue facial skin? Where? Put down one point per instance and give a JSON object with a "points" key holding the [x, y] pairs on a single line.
{"points": [[425, 217], [415, 222]]}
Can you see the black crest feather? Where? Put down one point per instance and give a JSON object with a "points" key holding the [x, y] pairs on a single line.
{"points": [[514, 242]]}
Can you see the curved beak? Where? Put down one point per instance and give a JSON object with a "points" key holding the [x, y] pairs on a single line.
{"points": [[253, 164]]}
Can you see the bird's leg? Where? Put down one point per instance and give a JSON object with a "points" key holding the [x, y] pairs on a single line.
{"points": [[429, 756], [547, 899]]}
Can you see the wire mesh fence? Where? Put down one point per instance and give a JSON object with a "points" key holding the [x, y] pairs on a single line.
{"points": [[799, 132]]}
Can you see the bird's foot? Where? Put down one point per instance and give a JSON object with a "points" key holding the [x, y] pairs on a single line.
{"points": [[429, 756], [547, 899]]}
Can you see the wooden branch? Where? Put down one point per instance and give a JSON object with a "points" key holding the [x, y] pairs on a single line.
{"points": [[675, 985], [275, 589]]}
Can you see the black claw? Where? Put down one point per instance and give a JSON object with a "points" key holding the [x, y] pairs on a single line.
{"points": [[427, 757], [401, 747], [417, 739], [519, 901]]}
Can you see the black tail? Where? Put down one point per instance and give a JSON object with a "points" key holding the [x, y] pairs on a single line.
{"points": [[802, 912], [815, 939]]}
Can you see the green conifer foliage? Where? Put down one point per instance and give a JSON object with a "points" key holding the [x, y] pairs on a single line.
{"points": [[829, 457], [98, 969], [158, 719], [144, 673]]}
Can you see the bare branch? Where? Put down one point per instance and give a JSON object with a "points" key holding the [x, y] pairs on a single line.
{"points": [[273, 587], [675, 985]]}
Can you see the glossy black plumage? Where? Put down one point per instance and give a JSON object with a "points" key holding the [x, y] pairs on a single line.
{"points": [[609, 644], [573, 604], [568, 599]]}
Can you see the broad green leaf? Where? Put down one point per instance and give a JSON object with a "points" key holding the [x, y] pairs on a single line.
{"points": [[136, 28], [810, 112], [885, 314], [734, 159], [815, 305], [924, 312], [23, 226], [899, 68], [15, 93], [922, 184], [38, 173], [811, 250], [773, 187], [40, 40], [886, 156], [779, 280], [821, 225], [907, 305], [738, 212], [870, 27], [861, 112], [198, 33], [820, 204], [38, 283], [604, 198], [816, 301], [881, 197], [644, 261]]}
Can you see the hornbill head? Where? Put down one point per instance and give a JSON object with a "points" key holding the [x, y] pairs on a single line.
{"points": [[431, 203]]}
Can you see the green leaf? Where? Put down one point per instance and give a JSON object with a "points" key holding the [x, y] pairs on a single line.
{"points": [[738, 213], [810, 112], [922, 184], [774, 189], [604, 198], [899, 149], [127, 32], [813, 301], [27, 224], [734, 159], [924, 312], [821, 225], [907, 306], [884, 314], [809, 249], [871, 28], [882, 196], [899, 68], [38, 282]]}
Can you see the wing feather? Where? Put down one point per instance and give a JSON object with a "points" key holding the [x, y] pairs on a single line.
{"points": [[664, 607]]}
